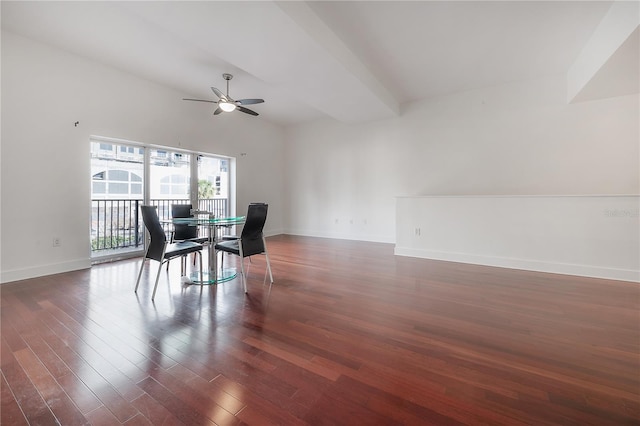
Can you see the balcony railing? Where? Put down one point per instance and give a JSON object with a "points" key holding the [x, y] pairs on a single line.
{"points": [[117, 224]]}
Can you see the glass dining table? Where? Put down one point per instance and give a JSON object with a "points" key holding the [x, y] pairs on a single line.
{"points": [[215, 274]]}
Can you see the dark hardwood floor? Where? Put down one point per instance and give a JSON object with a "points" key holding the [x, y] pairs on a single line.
{"points": [[349, 334]]}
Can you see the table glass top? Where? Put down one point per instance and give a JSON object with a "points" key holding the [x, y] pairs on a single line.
{"points": [[207, 221]]}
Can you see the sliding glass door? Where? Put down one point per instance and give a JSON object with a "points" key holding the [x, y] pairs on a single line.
{"points": [[117, 190], [126, 175]]}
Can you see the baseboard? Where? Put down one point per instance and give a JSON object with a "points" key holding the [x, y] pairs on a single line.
{"points": [[42, 270], [526, 264], [339, 236], [273, 232]]}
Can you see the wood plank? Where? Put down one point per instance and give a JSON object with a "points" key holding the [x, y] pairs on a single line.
{"points": [[10, 412], [34, 407], [347, 334], [56, 399]]}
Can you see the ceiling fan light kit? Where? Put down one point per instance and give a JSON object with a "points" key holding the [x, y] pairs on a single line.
{"points": [[226, 103], [226, 106]]}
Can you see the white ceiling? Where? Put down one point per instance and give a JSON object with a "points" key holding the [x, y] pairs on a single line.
{"points": [[350, 60]]}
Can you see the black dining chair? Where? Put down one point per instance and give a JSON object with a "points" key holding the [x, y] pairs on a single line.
{"points": [[161, 250], [230, 237], [251, 241], [183, 232]]}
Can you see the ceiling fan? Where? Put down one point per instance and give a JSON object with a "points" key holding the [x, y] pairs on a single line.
{"points": [[226, 103]]}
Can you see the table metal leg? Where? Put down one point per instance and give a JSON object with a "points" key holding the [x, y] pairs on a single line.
{"points": [[215, 275]]}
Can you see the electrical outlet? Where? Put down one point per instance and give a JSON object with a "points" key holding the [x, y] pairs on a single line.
{"points": [[417, 232], [57, 242]]}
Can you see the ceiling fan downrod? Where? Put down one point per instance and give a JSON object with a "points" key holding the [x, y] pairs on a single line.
{"points": [[227, 77]]}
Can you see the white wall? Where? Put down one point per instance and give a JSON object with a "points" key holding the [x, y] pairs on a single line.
{"points": [[516, 139], [587, 235], [341, 180], [45, 159]]}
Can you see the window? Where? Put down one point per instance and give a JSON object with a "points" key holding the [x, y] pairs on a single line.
{"points": [[174, 185], [120, 175], [99, 188], [170, 178], [117, 182], [117, 175], [125, 176], [213, 184]]}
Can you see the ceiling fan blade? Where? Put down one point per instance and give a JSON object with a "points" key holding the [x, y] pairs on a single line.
{"points": [[217, 111], [246, 110], [249, 101], [199, 100], [218, 93]]}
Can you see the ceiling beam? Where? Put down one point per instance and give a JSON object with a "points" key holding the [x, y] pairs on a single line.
{"points": [[600, 69], [356, 94]]}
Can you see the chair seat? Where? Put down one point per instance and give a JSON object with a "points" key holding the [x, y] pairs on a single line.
{"points": [[200, 240], [181, 248], [230, 246]]}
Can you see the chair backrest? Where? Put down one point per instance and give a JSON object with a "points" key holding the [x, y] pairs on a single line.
{"points": [[181, 210], [251, 237], [183, 232], [158, 238]]}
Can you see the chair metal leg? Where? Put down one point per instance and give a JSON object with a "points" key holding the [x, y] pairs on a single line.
{"points": [[244, 276], [144, 258], [155, 287], [139, 275], [264, 243]]}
